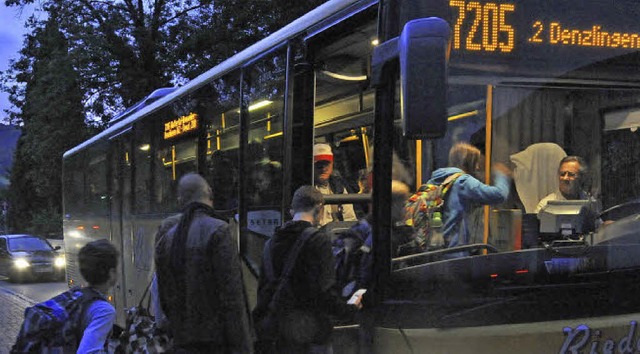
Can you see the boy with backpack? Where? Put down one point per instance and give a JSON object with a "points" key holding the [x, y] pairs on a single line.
{"points": [[80, 319]]}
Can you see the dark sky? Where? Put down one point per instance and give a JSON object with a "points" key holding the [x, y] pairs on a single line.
{"points": [[12, 21]]}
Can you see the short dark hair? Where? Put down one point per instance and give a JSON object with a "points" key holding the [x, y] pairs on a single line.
{"points": [[96, 259], [306, 198]]}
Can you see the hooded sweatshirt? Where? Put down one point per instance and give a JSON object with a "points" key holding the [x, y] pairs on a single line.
{"points": [[466, 194]]}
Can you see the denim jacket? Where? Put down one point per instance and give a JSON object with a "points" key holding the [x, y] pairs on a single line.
{"points": [[466, 194]]}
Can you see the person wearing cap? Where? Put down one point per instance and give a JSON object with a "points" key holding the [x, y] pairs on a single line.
{"points": [[329, 183]]}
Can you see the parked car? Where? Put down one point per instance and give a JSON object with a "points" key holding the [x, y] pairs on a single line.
{"points": [[30, 257]]}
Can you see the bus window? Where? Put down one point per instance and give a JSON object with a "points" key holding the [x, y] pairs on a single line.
{"points": [[222, 119], [265, 81], [73, 185], [96, 193], [343, 113], [143, 160]]}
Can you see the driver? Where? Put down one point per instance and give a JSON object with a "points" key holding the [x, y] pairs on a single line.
{"points": [[572, 173]]}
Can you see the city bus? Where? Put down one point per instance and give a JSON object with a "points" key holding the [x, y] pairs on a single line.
{"points": [[403, 81]]}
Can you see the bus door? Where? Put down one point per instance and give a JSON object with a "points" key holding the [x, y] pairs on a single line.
{"points": [[120, 181]]}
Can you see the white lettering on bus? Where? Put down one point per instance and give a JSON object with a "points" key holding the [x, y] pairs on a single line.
{"points": [[579, 340]]}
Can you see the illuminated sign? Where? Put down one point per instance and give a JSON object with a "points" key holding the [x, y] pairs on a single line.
{"points": [[494, 27], [489, 30], [545, 37], [180, 126]]}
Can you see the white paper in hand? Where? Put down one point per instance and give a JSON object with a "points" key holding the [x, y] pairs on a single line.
{"points": [[356, 296]]}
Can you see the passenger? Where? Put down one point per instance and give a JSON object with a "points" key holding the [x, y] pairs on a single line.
{"points": [[98, 266], [401, 241], [156, 309], [312, 281], [199, 278], [467, 192], [572, 173], [329, 183], [84, 317]]}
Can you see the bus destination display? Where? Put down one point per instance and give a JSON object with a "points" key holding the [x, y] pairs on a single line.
{"points": [[503, 27]]}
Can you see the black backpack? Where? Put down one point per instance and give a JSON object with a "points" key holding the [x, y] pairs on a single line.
{"points": [[54, 325]]}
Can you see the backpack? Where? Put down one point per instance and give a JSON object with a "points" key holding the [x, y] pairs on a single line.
{"points": [[423, 211], [349, 248], [53, 326]]}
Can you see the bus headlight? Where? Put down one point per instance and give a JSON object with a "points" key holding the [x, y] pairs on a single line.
{"points": [[21, 263], [59, 262]]}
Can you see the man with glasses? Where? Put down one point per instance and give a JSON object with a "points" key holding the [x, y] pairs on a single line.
{"points": [[572, 174]]}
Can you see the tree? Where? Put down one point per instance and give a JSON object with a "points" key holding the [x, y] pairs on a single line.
{"points": [[124, 49], [53, 122], [92, 58]]}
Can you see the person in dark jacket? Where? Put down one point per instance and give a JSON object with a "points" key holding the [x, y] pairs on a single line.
{"points": [[329, 182], [312, 279], [199, 277]]}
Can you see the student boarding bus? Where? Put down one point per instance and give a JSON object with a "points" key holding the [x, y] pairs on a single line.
{"points": [[407, 78]]}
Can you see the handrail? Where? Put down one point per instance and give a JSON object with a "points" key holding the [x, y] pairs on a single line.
{"points": [[474, 246], [347, 198]]}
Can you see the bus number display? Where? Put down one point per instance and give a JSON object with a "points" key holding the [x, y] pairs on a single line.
{"points": [[489, 30], [493, 27]]}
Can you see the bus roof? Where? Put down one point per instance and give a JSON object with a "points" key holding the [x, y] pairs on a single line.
{"points": [[293, 29]]}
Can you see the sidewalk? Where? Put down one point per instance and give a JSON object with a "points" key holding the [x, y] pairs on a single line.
{"points": [[11, 316]]}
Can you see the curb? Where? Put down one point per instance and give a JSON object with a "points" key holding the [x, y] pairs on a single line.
{"points": [[29, 301]]}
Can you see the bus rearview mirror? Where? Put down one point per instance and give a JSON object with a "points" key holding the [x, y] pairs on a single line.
{"points": [[422, 51]]}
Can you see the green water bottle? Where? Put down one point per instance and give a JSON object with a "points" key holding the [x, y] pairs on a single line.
{"points": [[436, 220]]}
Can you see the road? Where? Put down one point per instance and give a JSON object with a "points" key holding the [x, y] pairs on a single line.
{"points": [[14, 298]]}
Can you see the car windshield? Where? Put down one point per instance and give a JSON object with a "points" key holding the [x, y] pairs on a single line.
{"points": [[28, 244]]}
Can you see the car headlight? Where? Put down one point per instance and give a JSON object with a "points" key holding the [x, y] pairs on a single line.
{"points": [[59, 262], [21, 263]]}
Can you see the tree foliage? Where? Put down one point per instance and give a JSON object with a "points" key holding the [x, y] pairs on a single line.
{"points": [[124, 49], [89, 59], [53, 122]]}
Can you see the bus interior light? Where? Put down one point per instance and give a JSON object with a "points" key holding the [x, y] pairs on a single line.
{"points": [[145, 147]]}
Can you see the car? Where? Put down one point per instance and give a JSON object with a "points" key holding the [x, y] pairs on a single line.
{"points": [[25, 257]]}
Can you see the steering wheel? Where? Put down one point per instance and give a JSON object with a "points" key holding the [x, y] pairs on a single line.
{"points": [[620, 211]]}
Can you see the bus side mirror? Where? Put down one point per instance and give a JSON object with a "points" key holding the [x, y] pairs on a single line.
{"points": [[422, 50]]}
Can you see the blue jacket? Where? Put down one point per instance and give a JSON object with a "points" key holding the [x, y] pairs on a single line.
{"points": [[466, 194]]}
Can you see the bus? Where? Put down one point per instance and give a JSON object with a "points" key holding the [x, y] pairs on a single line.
{"points": [[404, 80]]}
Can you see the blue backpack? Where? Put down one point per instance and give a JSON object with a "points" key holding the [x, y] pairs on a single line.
{"points": [[53, 326]]}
